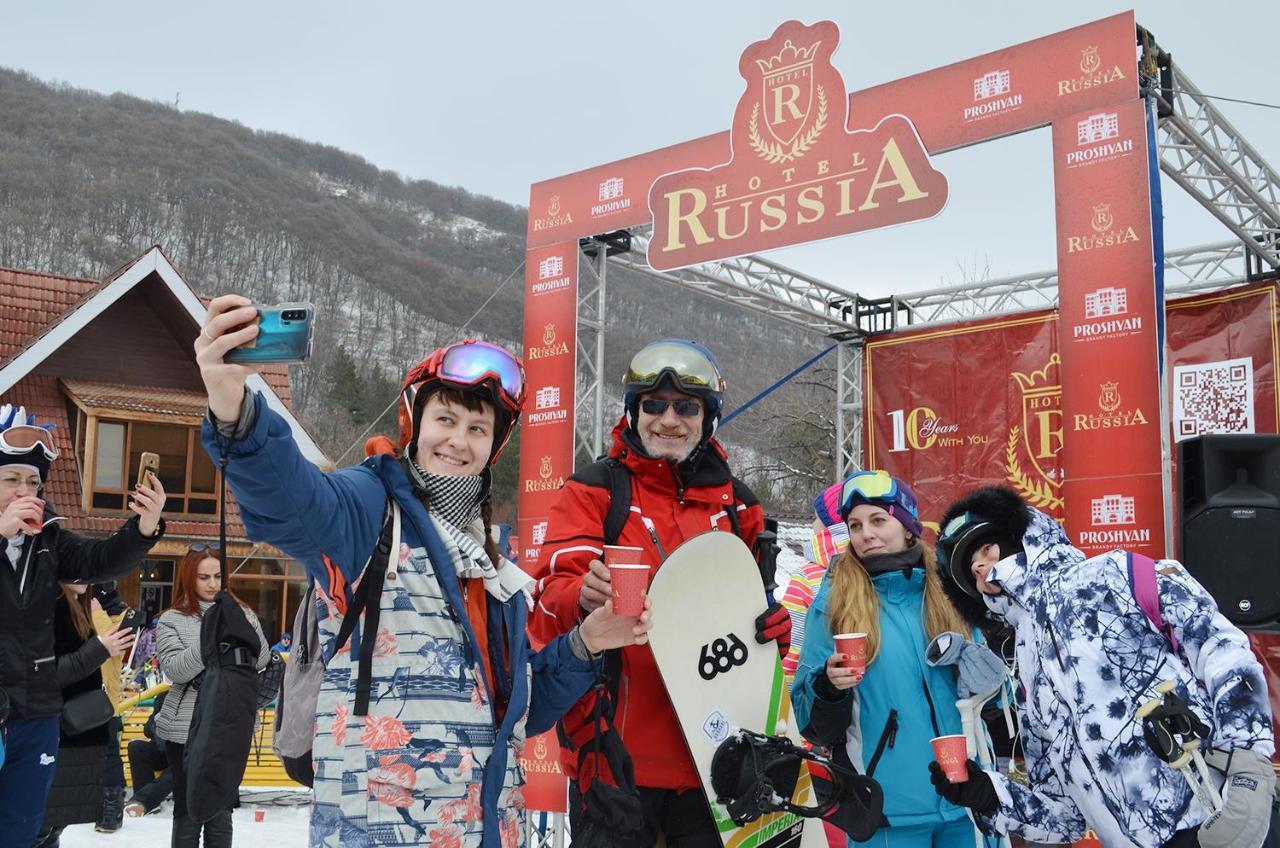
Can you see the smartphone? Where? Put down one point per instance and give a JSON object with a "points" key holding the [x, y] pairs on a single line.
{"points": [[148, 462], [132, 620], [284, 335]]}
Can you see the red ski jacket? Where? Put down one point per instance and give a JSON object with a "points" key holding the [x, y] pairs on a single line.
{"points": [[669, 504]]}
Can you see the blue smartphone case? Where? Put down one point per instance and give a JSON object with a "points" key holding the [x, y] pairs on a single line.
{"points": [[279, 339]]}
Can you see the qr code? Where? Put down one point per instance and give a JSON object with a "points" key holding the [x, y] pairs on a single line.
{"points": [[1213, 397]]}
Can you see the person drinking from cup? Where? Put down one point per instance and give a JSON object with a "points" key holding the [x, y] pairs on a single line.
{"points": [[38, 553], [863, 687], [674, 482], [423, 710]]}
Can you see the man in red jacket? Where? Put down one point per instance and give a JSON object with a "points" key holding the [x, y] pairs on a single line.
{"points": [[680, 486]]}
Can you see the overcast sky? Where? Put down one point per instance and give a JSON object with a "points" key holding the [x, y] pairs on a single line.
{"points": [[495, 96]]}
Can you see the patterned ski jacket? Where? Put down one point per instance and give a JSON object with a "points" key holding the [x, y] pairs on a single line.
{"points": [[1087, 658], [432, 762], [668, 506]]}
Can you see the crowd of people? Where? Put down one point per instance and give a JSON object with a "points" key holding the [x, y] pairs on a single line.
{"points": [[431, 682]]}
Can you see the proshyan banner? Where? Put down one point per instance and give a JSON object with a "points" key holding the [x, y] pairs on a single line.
{"points": [[550, 359], [795, 174], [1110, 338], [980, 403], [1006, 91]]}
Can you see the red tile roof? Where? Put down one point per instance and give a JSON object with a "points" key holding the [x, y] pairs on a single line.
{"points": [[33, 304]]}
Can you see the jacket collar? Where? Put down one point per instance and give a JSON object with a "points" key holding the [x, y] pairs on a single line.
{"points": [[706, 468]]}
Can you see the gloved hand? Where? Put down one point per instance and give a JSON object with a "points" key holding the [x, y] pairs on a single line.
{"points": [[980, 671], [774, 625], [1246, 800], [978, 793]]}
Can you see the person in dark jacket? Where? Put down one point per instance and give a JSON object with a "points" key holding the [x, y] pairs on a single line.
{"points": [[36, 554], [76, 795], [149, 768]]}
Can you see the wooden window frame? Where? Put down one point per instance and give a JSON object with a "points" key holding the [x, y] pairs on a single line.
{"points": [[91, 420]]}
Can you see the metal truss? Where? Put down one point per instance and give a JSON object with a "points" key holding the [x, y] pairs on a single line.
{"points": [[588, 413], [547, 830], [1202, 152], [848, 406], [754, 283]]}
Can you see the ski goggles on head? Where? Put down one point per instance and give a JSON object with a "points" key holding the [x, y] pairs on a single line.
{"points": [[690, 369], [470, 363], [870, 485], [23, 438]]}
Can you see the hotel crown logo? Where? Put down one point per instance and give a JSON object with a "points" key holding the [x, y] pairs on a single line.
{"points": [[549, 334], [553, 208], [1038, 439], [1089, 59], [1109, 397], [786, 97], [544, 467], [1102, 219]]}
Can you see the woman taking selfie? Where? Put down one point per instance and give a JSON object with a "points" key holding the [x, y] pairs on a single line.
{"points": [[882, 720], [424, 707], [198, 581]]}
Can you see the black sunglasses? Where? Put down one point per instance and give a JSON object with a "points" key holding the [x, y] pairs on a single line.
{"points": [[685, 407], [196, 547]]}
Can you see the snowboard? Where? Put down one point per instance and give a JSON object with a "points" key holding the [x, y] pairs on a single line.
{"points": [[705, 598]]}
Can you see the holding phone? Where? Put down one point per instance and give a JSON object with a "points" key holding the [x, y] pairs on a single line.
{"points": [[284, 335], [131, 620], [148, 462]]}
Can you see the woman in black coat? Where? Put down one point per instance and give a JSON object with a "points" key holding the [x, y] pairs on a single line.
{"points": [[76, 795]]}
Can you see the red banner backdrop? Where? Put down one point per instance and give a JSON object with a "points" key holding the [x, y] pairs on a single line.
{"points": [[550, 357], [999, 93], [997, 417], [1109, 338]]}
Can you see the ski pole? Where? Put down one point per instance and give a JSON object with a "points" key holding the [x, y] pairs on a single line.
{"points": [[1187, 727]]}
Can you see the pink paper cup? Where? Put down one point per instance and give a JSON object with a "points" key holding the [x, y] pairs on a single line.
{"points": [[630, 582], [855, 646], [950, 753], [622, 555]]}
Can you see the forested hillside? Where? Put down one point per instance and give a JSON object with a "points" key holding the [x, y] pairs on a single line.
{"points": [[394, 266]]}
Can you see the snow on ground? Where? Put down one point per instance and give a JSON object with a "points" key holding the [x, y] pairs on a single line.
{"points": [[285, 816]]}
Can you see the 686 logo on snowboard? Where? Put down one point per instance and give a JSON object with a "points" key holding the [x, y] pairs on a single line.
{"points": [[720, 655]]}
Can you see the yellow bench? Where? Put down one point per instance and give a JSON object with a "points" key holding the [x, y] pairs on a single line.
{"points": [[263, 768]]}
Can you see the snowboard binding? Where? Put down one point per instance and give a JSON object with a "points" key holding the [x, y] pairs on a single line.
{"points": [[754, 774], [1175, 734]]}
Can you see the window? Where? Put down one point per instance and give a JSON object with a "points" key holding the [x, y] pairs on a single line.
{"points": [[188, 475]]}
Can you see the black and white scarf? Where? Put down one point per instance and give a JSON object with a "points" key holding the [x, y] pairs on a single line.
{"points": [[453, 504]]}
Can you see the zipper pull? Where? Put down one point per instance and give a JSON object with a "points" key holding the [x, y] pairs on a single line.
{"points": [[893, 726]]}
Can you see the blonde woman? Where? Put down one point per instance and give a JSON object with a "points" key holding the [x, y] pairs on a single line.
{"points": [[881, 721]]}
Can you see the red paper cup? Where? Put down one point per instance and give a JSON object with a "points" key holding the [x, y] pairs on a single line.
{"points": [[39, 522], [950, 753], [259, 815], [630, 583], [622, 555], [855, 646]]}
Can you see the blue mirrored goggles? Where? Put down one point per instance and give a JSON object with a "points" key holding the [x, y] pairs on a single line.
{"points": [[875, 486]]}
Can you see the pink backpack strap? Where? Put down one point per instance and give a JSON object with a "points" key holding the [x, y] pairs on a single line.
{"points": [[1142, 582]]}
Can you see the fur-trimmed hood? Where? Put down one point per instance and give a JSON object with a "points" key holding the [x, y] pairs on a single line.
{"points": [[1031, 544]]}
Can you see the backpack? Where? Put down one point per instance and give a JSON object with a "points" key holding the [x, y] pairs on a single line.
{"points": [[299, 691], [300, 687]]}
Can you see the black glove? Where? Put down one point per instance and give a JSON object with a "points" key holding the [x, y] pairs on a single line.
{"points": [[978, 793], [774, 625]]}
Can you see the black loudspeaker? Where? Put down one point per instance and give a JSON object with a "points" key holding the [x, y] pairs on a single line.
{"points": [[1231, 522]]}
